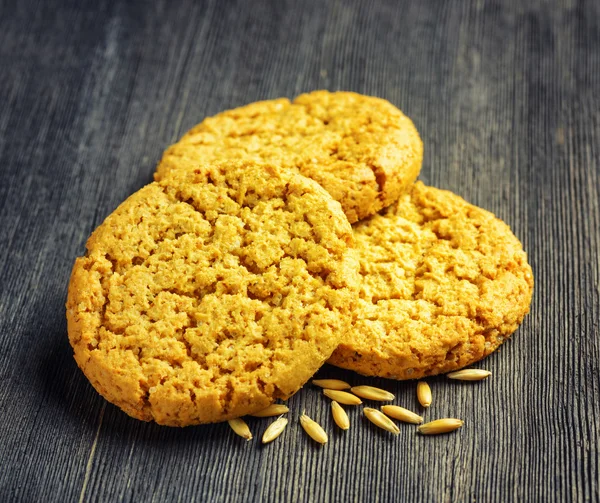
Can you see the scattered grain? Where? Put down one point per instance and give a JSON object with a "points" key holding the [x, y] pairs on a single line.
{"points": [[378, 418], [424, 393], [275, 409], [339, 415], [440, 426], [313, 429], [401, 414], [342, 397], [469, 375], [372, 393], [240, 427], [331, 384], [274, 430]]}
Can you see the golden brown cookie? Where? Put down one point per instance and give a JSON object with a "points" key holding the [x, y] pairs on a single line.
{"points": [[212, 293], [444, 283], [362, 150]]}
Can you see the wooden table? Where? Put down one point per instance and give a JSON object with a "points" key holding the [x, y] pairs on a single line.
{"points": [[507, 98]]}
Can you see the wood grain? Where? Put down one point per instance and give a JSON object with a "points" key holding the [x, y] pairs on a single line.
{"points": [[507, 98]]}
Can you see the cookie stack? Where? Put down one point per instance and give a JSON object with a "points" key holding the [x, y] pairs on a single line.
{"points": [[276, 237]]}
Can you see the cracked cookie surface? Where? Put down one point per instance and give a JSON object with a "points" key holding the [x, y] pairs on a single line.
{"points": [[362, 150], [212, 293], [444, 283]]}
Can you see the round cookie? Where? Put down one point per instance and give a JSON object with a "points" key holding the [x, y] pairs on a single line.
{"points": [[444, 283], [212, 293], [362, 150]]}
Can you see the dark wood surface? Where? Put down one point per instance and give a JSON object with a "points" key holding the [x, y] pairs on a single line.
{"points": [[507, 98]]}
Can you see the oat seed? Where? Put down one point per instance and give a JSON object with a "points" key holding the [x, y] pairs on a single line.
{"points": [[331, 384], [424, 393], [438, 426], [372, 393], [378, 418], [274, 430], [339, 415], [275, 409], [240, 427], [342, 397], [469, 375], [401, 414], [313, 429]]}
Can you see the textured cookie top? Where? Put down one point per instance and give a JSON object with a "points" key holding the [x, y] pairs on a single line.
{"points": [[210, 294], [443, 284], [362, 150]]}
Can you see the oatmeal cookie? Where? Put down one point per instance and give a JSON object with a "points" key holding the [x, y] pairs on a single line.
{"points": [[212, 293], [444, 283], [362, 150]]}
